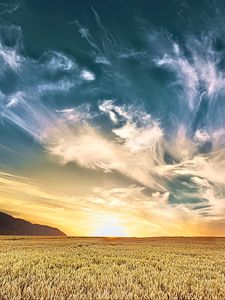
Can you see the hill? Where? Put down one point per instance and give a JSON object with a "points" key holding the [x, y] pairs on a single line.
{"points": [[13, 226]]}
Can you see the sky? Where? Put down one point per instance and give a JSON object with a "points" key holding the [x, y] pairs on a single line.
{"points": [[112, 116]]}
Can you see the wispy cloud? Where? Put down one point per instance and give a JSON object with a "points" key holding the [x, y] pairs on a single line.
{"points": [[176, 167], [138, 211]]}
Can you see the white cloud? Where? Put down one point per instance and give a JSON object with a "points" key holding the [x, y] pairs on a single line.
{"points": [[87, 75], [57, 61], [134, 145], [102, 60], [152, 214], [90, 149], [14, 99], [197, 75], [141, 139], [202, 136], [10, 57], [108, 107]]}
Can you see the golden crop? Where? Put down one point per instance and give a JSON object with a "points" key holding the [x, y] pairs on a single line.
{"points": [[107, 268]]}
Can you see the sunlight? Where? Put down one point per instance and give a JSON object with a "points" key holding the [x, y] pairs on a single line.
{"points": [[109, 226]]}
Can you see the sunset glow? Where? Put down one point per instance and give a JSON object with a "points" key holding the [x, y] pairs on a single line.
{"points": [[109, 226]]}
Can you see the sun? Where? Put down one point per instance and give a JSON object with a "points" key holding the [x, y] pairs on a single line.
{"points": [[109, 226]]}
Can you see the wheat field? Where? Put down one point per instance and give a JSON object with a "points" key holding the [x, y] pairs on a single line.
{"points": [[112, 268]]}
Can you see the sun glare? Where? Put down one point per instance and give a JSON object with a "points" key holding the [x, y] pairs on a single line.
{"points": [[109, 226]]}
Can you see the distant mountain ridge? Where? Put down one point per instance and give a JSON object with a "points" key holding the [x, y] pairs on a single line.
{"points": [[14, 226]]}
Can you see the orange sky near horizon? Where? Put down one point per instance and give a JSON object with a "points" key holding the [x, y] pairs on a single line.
{"points": [[116, 212]]}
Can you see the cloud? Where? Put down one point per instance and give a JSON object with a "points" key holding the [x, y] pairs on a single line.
{"points": [[146, 214], [140, 139], [8, 8], [102, 60], [14, 99], [10, 57], [42, 203], [137, 141], [108, 107], [139, 211], [180, 162], [137, 150], [91, 149], [56, 61], [197, 75], [77, 115], [87, 75]]}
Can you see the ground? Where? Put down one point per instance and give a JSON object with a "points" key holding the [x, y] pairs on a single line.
{"points": [[112, 268]]}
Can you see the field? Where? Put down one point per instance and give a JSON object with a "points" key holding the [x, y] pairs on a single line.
{"points": [[112, 268]]}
